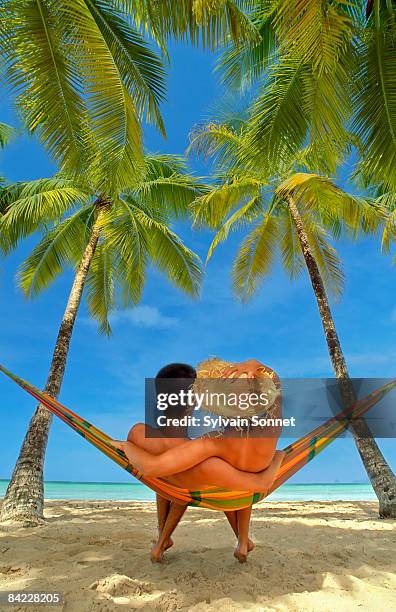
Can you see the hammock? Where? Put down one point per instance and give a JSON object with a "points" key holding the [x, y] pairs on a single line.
{"points": [[298, 453]]}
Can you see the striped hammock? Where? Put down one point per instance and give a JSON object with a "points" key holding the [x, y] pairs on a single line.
{"points": [[298, 453]]}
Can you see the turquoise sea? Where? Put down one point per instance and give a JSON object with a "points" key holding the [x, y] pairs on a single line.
{"points": [[139, 492]]}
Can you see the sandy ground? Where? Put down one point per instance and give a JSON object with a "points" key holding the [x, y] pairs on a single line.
{"points": [[309, 556]]}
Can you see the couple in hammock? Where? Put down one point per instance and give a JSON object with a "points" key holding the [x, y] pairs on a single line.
{"points": [[242, 460]]}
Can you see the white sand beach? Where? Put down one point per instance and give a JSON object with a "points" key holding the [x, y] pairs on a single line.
{"points": [[309, 556]]}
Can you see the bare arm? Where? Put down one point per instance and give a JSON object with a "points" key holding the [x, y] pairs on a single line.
{"points": [[219, 473], [170, 462]]}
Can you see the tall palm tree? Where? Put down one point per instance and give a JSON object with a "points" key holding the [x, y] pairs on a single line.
{"points": [[326, 74], [84, 79], [109, 237], [293, 214]]}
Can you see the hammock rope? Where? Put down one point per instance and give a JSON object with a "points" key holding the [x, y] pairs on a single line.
{"points": [[298, 454]]}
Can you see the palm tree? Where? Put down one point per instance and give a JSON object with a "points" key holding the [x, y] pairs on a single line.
{"points": [[84, 79], [109, 237], [293, 214], [327, 80]]}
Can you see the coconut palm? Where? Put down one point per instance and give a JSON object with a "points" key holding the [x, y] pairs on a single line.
{"points": [[109, 238], [327, 75], [293, 216]]}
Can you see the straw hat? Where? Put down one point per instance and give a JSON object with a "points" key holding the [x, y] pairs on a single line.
{"points": [[210, 379]]}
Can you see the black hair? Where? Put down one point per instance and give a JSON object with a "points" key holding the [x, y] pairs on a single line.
{"points": [[173, 378], [177, 370]]}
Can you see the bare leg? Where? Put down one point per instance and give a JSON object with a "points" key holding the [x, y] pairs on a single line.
{"points": [[175, 514], [163, 507], [233, 520], [242, 550], [156, 446]]}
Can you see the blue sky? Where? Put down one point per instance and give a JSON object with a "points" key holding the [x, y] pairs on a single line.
{"points": [[105, 377]]}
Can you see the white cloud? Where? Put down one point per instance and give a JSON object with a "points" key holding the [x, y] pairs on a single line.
{"points": [[143, 316]]}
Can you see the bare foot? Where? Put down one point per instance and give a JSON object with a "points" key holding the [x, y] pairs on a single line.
{"points": [[169, 543], [241, 552], [157, 554], [251, 545]]}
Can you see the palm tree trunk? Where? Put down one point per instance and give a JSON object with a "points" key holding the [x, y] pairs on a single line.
{"points": [[381, 476], [24, 499]]}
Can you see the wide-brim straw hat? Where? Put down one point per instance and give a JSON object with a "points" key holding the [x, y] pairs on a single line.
{"points": [[210, 378]]}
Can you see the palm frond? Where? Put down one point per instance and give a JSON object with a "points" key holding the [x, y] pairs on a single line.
{"points": [[242, 217], [314, 30], [334, 207], [212, 208], [292, 258], [61, 245], [387, 203], [168, 253], [129, 247], [218, 142], [208, 22], [6, 133], [100, 286], [375, 103], [140, 69], [167, 186], [29, 206], [241, 65], [325, 255], [280, 117], [255, 257], [47, 84]]}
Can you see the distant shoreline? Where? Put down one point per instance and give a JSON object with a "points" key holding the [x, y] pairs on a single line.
{"points": [[136, 491]]}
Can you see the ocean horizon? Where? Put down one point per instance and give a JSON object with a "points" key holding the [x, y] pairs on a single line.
{"points": [[64, 490]]}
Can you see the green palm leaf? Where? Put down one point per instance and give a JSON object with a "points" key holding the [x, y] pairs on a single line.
{"points": [[168, 253], [100, 287], [242, 64], [217, 141], [280, 116], [375, 102], [64, 244], [47, 83], [28, 206], [167, 187], [210, 209], [207, 22], [6, 133], [242, 217], [291, 253], [255, 257], [139, 68], [129, 246]]}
